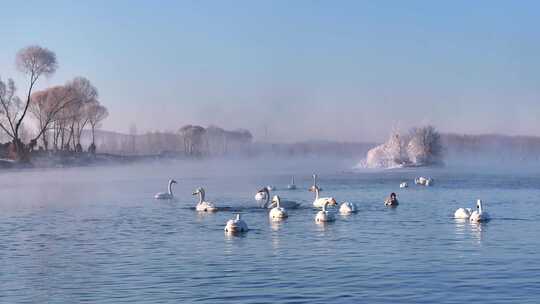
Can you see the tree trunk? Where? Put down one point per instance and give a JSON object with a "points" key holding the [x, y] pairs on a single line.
{"points": [[93, 135]]}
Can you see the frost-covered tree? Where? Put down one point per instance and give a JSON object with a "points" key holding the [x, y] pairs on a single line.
{"points": [[425, 147], [421, 147], [389, 154]]}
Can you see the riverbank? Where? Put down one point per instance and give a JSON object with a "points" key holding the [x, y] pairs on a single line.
{"points": [[69, 159]]}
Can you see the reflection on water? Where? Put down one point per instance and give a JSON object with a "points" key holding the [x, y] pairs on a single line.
{"points": [[202, 215], [232, 234], [96, 235], [466, 229], [476, 231], [276, 224], [461, 225], [323, 226]]}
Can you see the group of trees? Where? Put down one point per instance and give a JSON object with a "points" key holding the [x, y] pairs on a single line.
{"points": [[56, 116], [189, 140], [421, 147], [212, 140], [63, 112]]}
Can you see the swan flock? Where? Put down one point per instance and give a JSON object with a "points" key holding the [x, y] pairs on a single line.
{"points": [[327, 205]]}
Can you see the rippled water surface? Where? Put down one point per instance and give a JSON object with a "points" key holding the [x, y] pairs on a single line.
{"points": [[96, 235]]}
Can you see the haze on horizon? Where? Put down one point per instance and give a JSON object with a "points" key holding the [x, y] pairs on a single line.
{"points": [[302, 70]]}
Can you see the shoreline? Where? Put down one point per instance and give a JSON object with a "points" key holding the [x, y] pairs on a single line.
{"points": [[74, 160]]}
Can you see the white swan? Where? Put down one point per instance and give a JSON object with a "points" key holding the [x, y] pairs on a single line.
{"points": [[277, 213], [236, 225], [292, 185], [391, 201], [166, 195], [325, 215], [424, 181], [319, 202], [463, 213], [315, 176], [283, 203], [347, 208], [260, 195], [203, 205], [479, 215], [404, 185]]}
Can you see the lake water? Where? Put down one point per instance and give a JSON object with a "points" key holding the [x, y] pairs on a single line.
{"points": [[96, 235]]}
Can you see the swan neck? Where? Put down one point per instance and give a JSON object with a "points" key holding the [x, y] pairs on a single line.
{"points": [[170, 188], [201, 196], [479, 206], [267, 194], [316, 193]]}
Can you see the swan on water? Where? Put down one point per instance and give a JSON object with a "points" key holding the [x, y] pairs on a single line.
{"points": [[479, 215], [166, 195], [391, 200], [203, 205], [347, 208], [424, 181], [236, 225], [277, 213], [260, 195], [463, 213], [325, 215], [315, 176], [404, 185], [292, 185], [264, 193], [319, 202]]}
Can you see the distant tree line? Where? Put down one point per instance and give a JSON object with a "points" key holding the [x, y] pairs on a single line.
{"points": [[51, 119], [492, 147], [196, 141], [189, 140]]}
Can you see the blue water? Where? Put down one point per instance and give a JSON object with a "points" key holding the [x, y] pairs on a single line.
{"points": [[96, 235]]}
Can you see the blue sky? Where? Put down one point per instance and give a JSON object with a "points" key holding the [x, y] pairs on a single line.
{"points": [[345, 70]]}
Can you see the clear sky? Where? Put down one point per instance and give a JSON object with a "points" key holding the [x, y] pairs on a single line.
{"points": [[344, 70]]}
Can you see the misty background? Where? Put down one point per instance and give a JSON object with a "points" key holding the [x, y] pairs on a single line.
{"points": [[288, 72]]}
